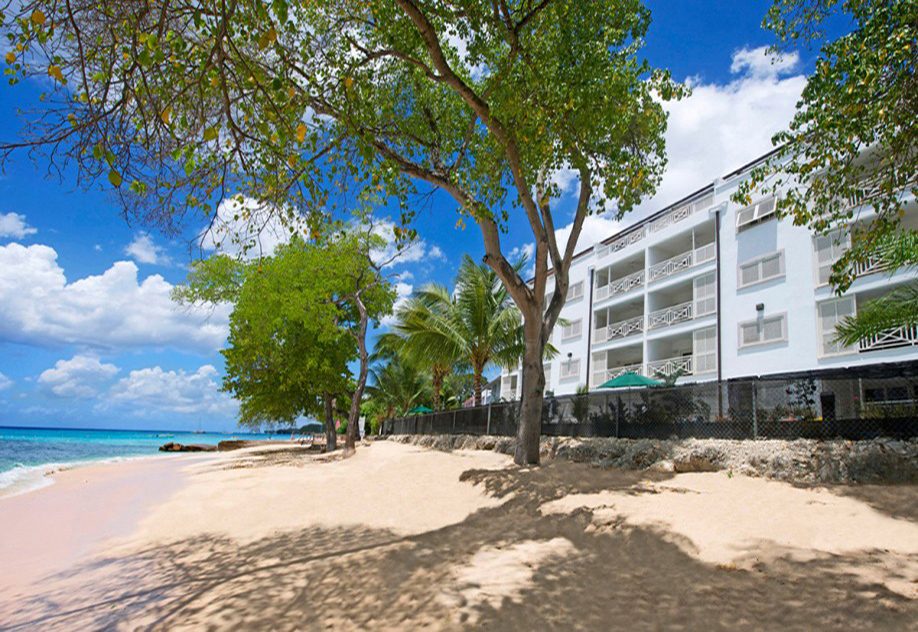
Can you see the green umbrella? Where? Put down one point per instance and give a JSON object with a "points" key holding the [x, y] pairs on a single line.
{"points": [[630, 380], [420, 410]]}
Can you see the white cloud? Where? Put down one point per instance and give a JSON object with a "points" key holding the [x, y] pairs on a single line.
{"points": [[718, 128], [5, 382], [174, 391], [14, 225], [114, 310], [526, 250], [80, 377], [415, 252], [402, 292], [247, 228], [144, 250], [97, 248]]}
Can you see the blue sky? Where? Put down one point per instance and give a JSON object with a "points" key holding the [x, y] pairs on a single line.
{"points": [[88, 337]]}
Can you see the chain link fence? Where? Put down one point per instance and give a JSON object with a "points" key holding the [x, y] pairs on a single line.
{"points": [[849, 405]]}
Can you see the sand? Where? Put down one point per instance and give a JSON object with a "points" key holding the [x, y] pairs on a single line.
{"points": [[398, 537]]}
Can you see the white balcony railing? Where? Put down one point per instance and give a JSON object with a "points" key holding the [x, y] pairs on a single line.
{"points": [[620, 286], [604, 375], [680, 213], [681, 262], [620, 329], [891, 338], [670, 366], [871, 265], [670, 315], [622, 242]]}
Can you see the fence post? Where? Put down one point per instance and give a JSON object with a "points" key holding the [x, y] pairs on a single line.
{"points": [[454, 420], [755, 409], [488, 430]]}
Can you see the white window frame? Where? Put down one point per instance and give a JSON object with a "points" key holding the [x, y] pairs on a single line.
{"points": [[575, 291], [838, 246], [710, 281], [710, 354], [822, 332], [567, 331], [758, 263], [757, 212], [570, 369], [760, 323]]}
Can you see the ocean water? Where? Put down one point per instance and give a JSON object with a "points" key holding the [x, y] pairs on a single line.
{"points": [[27, 455]]}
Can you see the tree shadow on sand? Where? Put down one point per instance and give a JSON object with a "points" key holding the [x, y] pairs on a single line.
{"points": [[359, 578]]}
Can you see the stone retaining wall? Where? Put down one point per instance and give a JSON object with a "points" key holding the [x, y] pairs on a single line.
{"points": [[803, 460]]}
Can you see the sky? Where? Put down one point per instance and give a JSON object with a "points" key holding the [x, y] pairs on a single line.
{"points": [[89, 337]]}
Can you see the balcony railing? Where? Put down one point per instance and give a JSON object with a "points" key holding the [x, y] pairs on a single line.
{"points": [[670, 366], [871, 265], [620, 286], [899, 337], [681, 262], [670, 315], [620, 329], [622, 242], [680, 213], [604, 375]]}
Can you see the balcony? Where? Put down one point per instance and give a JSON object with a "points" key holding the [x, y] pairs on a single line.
{"points": [[604, 375], [622, 242], [621, 329], [671, 315], [681, 262], [670, 366], [680, 213], [620, 286], [890, 339]]}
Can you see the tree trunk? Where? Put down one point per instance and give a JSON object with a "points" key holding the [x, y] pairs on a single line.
{"points": [[532, 393], [437, 387], [477, 387], [350, 442], [331, 437]]}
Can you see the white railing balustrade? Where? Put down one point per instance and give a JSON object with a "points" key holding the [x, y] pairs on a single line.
{"points": [[620, 286], [863, 268], [890, 338], [623, 242], [604, 375], [670, 315], [621, 329], [670, 366], [671, 266], [680, 213], [682, 262]]}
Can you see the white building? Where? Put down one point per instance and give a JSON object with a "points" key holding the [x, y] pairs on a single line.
{"points": [[716, 290]]}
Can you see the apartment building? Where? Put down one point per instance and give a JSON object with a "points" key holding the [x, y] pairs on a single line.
{"points": [[714, 290]]}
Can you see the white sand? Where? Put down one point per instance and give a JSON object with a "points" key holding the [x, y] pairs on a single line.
{"points": [[742, 521], [392, 486]]}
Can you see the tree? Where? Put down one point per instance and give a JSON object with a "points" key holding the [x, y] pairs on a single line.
{"points": [[297, 322], [179, 105], [852, 145], [400, 386], [477, 325]]}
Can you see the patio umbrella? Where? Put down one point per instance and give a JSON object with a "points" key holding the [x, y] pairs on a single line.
{"points": [[627, 380], [420, 410], [630, 380]]}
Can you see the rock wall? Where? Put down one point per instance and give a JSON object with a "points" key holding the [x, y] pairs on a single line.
{"points": [[802, 460]]}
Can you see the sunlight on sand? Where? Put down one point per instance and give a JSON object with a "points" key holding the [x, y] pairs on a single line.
{"points": [[742, 521]]}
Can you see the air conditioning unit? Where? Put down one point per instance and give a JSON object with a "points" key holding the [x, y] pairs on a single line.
{"points": [[761, 210]]}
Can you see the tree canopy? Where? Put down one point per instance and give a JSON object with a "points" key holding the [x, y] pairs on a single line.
{"points": [[852, 146]]}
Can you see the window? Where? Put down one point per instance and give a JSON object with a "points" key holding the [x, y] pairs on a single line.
{"points": [[830, 314], [891, 394], [575, 291], [705, 350], [762, 269], [570, 369], [828, 250], [546, 371], [758, 212], [763, 331], [513, 379], [572, 330], [705, 295]]}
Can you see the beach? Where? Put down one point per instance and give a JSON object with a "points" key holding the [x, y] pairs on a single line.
{"points": [[400, 537]]}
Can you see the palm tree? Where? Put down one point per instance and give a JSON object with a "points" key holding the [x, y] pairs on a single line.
{"points": [[897, 309], [399, 386], [476, 326]]}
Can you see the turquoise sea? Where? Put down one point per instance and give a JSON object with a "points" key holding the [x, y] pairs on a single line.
{"points": [[28, 454]]}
